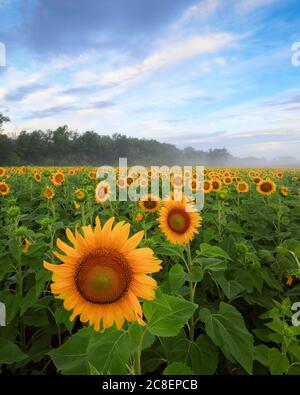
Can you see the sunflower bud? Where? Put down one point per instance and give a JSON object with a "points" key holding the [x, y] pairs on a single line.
{"points": [[14, 211]]}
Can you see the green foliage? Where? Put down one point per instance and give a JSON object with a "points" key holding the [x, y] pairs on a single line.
{"points": [[166, 315], [227, 311], [226, 328]]}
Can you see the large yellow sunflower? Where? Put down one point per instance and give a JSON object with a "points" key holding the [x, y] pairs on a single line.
{"points": [[178, 222], [103, 274], [266, 187]]}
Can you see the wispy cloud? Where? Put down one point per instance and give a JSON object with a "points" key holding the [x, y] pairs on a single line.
{"points": [[199, 11], [246, 6], [171, 55]]}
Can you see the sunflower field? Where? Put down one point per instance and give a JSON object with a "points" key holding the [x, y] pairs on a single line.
{"points": [[94, 286]]}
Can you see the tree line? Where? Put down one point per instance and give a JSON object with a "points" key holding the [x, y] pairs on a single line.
{"points": [[63, 147]]}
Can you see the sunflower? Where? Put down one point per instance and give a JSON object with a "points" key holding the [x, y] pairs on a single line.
{"points": [[289, 281], [187, 174], [139, 217], [48, 193], [149, 203], [92, 175], [38, 177], [103, 274], [242, 187], [177, 181], [143, 182], [207, 186], [58, 178], [266, 187], [103, 192], [76, 205], [4, 189], [193, 185], [129, 180], [26, 245], [227, 180], [80, 194], [256, 180], [284, 191], [122, 183], [178, 222], [2, 171], [216, 185]]}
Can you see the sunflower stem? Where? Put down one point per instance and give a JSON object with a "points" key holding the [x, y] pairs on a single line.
{"points": [[52, 209], [192, 291], [219, 219], [83, 214], [279, 214], [111, 208], [138, 353], [238, 207]]}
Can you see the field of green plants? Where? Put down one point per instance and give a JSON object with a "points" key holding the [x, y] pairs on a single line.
{"points": [[221, 302]]}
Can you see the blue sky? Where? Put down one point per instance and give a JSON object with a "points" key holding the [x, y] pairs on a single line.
{"points": [[206, 73]]}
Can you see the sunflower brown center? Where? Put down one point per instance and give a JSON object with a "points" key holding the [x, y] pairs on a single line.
{"points": [[206, 185], [59, 178], [242, 187], [266, 187], [103, 277], [129, 180], [178, 220], [150, 204], [3, 188]]}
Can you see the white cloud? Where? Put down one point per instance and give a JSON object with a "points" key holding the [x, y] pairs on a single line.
{"points": [[247, 6], [172, 54], [85, 77], [199, 11]]}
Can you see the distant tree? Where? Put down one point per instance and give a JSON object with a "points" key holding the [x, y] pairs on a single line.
{"points": [[3, 119], [62, 147]]}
